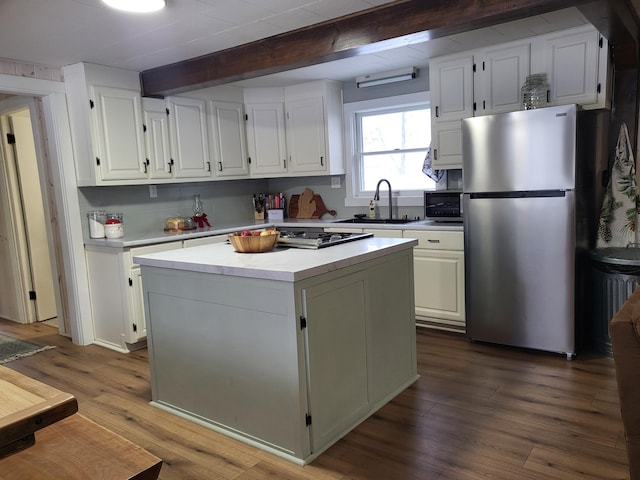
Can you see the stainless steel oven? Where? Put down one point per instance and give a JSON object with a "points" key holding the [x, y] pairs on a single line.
{"points": [[443, 205]]}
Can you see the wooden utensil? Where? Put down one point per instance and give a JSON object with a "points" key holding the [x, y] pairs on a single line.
{"points": [[308, 205]]}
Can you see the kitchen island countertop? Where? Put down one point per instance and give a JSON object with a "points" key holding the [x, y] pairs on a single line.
{"points": [[282, 263]]}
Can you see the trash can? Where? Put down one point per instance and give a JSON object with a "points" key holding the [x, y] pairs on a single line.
{"points": [[615, 275]]}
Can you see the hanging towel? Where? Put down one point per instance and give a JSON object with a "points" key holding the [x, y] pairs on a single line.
{"points": [[617, 223], [435, 175]]}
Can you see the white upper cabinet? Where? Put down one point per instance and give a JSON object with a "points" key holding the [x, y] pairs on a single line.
{"points": [[307, 142], [500, 73], [489, 80], [451, 85], [266, 141], [228, 138], [314, 128], [189, 138], [105, 112], [157, 145], [295, 131], [446, 145], [576, 67]]}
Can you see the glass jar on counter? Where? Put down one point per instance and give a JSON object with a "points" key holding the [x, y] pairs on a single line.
{"points": [[114, 225], [535, 91], [96, 223]]}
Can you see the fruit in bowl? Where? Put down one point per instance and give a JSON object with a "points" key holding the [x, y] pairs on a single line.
{"points": [[254, 241]]}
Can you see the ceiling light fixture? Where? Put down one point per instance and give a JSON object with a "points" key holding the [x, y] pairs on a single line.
{"points": [[383, 78], [138, 6]]}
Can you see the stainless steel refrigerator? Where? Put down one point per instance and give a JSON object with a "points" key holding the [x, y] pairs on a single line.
{"points": [[526, 216]]}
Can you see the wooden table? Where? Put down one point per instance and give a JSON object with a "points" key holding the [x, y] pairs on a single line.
{"points": [[69, 446], [27, 406]]}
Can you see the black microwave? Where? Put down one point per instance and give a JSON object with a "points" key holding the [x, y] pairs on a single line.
{"points": [[443, 205]]}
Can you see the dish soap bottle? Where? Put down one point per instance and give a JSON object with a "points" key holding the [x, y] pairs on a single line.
{"points": [[372, 209]]}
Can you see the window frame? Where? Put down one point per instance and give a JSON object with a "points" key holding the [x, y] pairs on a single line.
{"points": [[355, 197]]}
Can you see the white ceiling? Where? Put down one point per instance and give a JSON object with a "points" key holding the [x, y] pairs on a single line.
{"points": [[61, 32]]}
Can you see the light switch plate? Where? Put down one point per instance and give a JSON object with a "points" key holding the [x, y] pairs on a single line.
{"points": [[153, 191], [335, 182]]}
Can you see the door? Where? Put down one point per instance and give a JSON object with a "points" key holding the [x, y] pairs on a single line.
{"points": [[189, 138], [156, 122], [33, 289], [266, 138], [336, 323], [519, 267], [501, 72], [118, 116], [228, 138], [306, 139], [520, 151]]}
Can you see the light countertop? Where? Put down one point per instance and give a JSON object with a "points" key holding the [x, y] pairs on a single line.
{"points": [[282, 263], [160, 236]]}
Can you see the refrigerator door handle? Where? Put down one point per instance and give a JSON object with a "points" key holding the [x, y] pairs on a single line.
{"points": [[529, 194]]}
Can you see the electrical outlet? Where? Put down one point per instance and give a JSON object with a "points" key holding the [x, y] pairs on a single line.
{"points": [[335, 182], [153, 191]]}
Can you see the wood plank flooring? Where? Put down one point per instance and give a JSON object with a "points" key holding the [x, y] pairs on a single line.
{"points": [[477, 412]]}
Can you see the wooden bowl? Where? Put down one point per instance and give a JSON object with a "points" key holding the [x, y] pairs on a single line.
{"points": [[253, 244]]}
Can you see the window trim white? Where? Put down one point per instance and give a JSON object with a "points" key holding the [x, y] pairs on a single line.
{"points": [[350, 110]]}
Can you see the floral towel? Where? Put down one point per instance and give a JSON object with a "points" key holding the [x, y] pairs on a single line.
{"points": [[617, 224], [435, 175]]}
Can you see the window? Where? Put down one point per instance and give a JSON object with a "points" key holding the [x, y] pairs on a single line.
{"points": [[390, 139]]}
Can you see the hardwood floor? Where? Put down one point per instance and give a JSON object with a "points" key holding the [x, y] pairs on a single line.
{"points": [[477, 412]]}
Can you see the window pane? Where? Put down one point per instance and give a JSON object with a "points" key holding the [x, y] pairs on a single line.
{"points": [[403, 170], [396, 130]]}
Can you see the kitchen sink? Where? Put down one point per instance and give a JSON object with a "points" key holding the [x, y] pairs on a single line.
{"points": [[397, 221]]}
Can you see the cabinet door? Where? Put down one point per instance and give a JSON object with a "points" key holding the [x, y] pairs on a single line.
{"points": [[500, 74], [446, 145], [266, 138], [228, 138], [572, 67], [451, 85], [189, 138], [137, 327], [306, 139], [119, 136], [156, 122], [439, 287], [336, 337]]}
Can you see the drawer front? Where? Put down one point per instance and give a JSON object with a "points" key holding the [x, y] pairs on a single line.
{"points": [[437, 239], [155, 248]]}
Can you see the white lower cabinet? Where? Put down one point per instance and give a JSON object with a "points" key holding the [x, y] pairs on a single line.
{"points": [[115, 287], [438, 269], [439, 279]]}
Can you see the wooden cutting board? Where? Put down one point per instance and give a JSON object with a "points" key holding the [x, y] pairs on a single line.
{"points": [[308, 205]]}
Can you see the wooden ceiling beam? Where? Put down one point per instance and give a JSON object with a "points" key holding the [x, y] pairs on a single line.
{"points": [[389, 26]]}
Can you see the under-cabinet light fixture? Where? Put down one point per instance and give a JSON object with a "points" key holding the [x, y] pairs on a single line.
{"points": [[383, 78], [138, 6]]}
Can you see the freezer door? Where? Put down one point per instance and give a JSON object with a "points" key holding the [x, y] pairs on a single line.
{"points": [[520, 151], [519, 271]]}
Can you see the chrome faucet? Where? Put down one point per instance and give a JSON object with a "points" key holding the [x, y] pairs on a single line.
{"points": [[376, 196]]}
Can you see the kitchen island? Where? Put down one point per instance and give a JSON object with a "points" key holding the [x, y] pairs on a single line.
{"points": [[287, 350]]}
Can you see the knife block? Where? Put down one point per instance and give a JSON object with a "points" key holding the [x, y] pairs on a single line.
{"points": [[258, 216]]}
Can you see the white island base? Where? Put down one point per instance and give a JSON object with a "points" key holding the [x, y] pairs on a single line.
{"points": [[287, 350]]}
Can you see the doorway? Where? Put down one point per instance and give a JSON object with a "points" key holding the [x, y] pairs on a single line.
{"points": [[28, 290]]}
